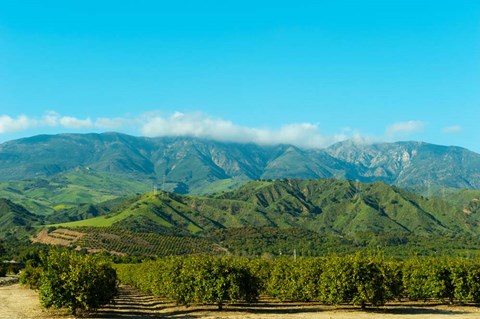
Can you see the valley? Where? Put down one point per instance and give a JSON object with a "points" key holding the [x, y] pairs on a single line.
{"points": [[243, 199], [247, 159]]}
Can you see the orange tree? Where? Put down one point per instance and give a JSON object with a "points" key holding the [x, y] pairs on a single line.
{"points": [[428, 277], [75, 281], [295, 279], [353, 279]]}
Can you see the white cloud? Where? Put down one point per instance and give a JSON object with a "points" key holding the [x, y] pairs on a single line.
{"points": [[154, 124], [75, 123], [452, 129], [50, 118], [199, 125], [404, 128], [9, 124]]}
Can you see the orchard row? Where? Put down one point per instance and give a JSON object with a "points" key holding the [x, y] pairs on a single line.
{"points": [[355, 279]]}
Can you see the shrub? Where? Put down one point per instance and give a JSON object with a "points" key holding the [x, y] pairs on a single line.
{"points": [[76, 282], [295, 280], [466, 280], [354, 279], [426, 278], [31, 275]]}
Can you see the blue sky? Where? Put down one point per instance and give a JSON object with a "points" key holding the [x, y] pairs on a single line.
{"points": [[304, 72]]}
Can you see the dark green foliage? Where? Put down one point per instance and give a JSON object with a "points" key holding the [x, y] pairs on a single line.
{"points": [[256, 241], [31, 275], [260, 269], [295, 280], [15, 219], [3, 270], [76, 282], [353, 279], [392, 278], [3, 250], [357, 279], [465, 276], [118, 240], [426, 278], [194, 279]]}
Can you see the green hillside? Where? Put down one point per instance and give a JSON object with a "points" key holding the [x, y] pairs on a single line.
{"points": [[360, 213], [63, 191], [15, 220]]}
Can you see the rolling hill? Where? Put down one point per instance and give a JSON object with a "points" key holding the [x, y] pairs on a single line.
{"points": [[15, 219], [351, 209], [59, 192]]}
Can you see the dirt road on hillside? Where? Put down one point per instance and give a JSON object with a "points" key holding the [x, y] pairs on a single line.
{"points": [[17, 302]]}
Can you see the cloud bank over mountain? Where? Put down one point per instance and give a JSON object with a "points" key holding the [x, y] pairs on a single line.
{"points": [[197, 124]]}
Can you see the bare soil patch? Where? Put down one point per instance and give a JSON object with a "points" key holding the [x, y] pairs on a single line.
{"points": [[61, 236], [17, 302]]}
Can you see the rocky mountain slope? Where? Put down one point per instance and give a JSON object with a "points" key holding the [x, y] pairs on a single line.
{"points": [[188, 165]]}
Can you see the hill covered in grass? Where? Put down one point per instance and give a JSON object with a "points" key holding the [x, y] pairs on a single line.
{"points": [[80, 187], [15, 220], [347, 212]]}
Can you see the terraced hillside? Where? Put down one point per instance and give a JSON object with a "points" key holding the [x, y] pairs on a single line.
{"points": [[118, 241]]}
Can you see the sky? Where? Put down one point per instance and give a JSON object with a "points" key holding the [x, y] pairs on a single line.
{"points": [[309, 73]]}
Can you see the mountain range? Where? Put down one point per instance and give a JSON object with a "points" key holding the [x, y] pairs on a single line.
{"points": [[196, 166], [239, 195]]}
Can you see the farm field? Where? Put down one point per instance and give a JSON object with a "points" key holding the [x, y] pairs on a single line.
{"points": [[19, 302]]}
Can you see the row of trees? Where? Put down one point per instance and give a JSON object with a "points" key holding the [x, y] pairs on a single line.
{"points": [[194, 279], [142, 244], [68, 279], [355, 279]]}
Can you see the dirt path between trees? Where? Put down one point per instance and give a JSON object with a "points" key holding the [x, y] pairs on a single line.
{"points": [[17, 302]]}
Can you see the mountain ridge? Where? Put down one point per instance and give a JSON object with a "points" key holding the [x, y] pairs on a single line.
{"points": [[192, 165]]}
